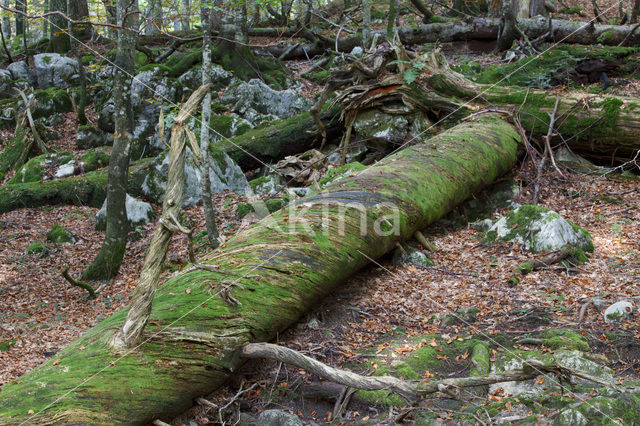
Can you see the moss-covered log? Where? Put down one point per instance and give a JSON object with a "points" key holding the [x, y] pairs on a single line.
{"points": [[477, 29], [602, 128], [87, 190], [286, 137], [276, 270]]}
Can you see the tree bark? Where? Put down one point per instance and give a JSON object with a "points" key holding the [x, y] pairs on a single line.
{"points": [[6, 21], [207, 204], [509, 22], [107, 262], [154, 18], [58, 35], [366, 24], [21, 5], [276, 270]]}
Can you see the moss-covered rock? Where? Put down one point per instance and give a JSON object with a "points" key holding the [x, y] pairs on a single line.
{"points": [[60, 235], [564, 339], [540, 229], [51, 101], [46, 166], [407, 255], [95, 158]]}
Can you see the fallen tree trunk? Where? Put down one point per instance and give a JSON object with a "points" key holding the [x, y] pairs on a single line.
{"points": [[89, 189], [286, 137], [602, 128], [477, 29], [275, 270]]}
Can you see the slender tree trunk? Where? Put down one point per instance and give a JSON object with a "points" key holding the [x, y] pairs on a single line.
{"points": [[209, 211], [21, 5], [58, 34], [82, 98], [154, 16], [391, 19], [186, 17], [509, 21], [275, 270], [107, 262], [6, 21], [366, 24], [635, 12]]}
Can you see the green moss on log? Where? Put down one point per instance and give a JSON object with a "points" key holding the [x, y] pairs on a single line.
{"points": [[286, 264]]}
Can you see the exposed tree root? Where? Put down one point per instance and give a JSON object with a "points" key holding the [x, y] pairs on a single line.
{"points": [[410, 390]]}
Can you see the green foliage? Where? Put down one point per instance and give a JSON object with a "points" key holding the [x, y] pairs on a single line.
{"points": [[411, 74]]}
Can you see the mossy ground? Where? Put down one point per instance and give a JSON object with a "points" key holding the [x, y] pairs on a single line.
{"points": [[553, 67]]}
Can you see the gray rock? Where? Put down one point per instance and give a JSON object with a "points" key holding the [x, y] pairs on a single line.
{"points": [[89, 137], [6, 84], [106, 121], [153, 85], [411, 256], [20, 70], [138, 213], [257, 102], [618, 311], [540, 229], [278, 418], [54, 70], [266, 185], [376, 126], [224, 174], [192, 79]]}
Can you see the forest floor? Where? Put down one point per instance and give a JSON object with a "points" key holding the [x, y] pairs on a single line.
{"points": [[41, 312]]}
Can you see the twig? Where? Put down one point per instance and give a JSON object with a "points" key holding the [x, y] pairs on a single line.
{"points": [[81, 284]]}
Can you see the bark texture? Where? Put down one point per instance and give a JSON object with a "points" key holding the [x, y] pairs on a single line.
{"points": [[276, 270], [209, 211], [109, 258]]}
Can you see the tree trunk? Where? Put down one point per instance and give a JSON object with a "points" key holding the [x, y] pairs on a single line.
{"points": [[21, 5], [58, 36], [509, 21], [209, 210], [287, 137], [154, 16], [78, 11], [6, 21], [299, 256], [107, 262], [366, 24], [186, 15]]}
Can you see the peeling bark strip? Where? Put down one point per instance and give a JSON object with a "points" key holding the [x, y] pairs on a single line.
{"points": [[189, 346]]}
